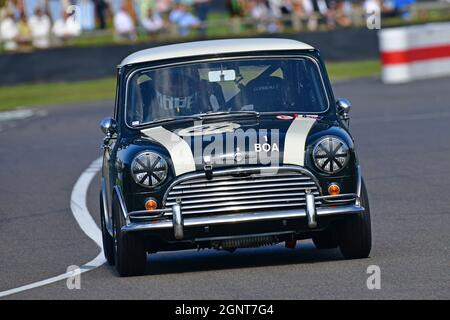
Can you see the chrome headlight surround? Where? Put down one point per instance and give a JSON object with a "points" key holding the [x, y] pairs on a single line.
{"points": [[149, 169], [331, 154]]}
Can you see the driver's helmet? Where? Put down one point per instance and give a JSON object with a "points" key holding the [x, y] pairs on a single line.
{"points": [[177, 94]]}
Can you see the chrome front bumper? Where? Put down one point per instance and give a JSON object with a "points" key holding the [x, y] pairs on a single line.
{"points": [[139, 221]]}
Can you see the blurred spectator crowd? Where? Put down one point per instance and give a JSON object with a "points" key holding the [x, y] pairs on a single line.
{"points": [[25, 24]]}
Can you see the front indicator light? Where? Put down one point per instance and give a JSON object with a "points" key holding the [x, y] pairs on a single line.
{"points": [[334, 189], [151, 204]]}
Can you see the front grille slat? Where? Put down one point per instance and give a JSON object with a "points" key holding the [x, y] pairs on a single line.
{"points": [[246, 197], [187, 190], [237, 193], [243, 202], [241, 190]]}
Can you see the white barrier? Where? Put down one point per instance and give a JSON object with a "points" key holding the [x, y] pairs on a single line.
{"points": [[416, 52]]}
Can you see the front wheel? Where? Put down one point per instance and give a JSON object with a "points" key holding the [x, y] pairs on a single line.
{"points": [[130, 254], [354, 233]]}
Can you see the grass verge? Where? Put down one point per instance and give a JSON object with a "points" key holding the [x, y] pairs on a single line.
{"points": [[354, 69], [29, 95]]}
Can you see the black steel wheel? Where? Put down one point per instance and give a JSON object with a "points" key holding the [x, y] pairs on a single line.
{"points": [[355, 235], [129, 251], [108, 241]]}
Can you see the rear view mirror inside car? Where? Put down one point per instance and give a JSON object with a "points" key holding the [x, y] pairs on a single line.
{"points": [[221, 75]]}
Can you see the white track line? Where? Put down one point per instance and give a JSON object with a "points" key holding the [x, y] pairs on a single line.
{"points": [[16, 114], [86, 223]]}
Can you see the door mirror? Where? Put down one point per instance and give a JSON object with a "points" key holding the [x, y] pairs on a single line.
{"points": [[108, 126], [343, 106]]}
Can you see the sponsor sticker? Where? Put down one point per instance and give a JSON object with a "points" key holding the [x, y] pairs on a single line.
{"points": [[310, 116], [285, 117]]}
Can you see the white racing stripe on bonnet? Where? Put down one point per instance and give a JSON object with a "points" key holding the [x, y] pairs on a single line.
{"points": [[179, 150], [295, 141]]}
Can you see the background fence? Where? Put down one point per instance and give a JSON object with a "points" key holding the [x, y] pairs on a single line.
{"points": [[78, 63]]}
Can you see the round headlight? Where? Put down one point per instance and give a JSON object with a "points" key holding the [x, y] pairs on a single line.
{"points": [[149, 169], [331, 154]]}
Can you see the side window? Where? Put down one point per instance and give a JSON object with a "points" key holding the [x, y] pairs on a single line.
{"points": [[140, 102], [133, 113], [310, 94], [116, 99], [317, 96]]}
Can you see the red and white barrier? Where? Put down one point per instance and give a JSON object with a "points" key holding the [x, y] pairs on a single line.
{"points": [[416, 52]]}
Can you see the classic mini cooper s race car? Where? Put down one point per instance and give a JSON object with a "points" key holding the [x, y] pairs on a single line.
{"points": [[228, 144]]}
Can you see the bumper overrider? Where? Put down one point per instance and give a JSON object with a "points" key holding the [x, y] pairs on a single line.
{"points": [[172, 219]]}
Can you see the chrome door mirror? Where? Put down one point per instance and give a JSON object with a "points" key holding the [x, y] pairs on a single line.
{"points": [[108, 126], [344, 106]]}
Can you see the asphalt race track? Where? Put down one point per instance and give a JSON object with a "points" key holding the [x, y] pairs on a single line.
{"points": [[403, 138]]}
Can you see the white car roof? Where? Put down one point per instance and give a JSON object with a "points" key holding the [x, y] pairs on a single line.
{"points": [[212, 47]]}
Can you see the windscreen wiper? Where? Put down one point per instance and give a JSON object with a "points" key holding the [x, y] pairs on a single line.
{"points": [[180, 118], [202, 116], [223, 114]]}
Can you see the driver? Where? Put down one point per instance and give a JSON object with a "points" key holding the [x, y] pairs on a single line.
{"points": [[177, 94]]}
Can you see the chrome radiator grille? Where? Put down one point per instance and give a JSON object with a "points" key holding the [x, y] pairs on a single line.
{"points": [[242, 190]]}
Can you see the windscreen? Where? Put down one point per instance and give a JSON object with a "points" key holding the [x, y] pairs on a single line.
{"points": [[260, 85]]}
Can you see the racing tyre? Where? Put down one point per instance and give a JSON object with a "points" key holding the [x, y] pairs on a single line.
{"points": [[326, 239], [108, 241], [129, 251], [355, 236]]}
